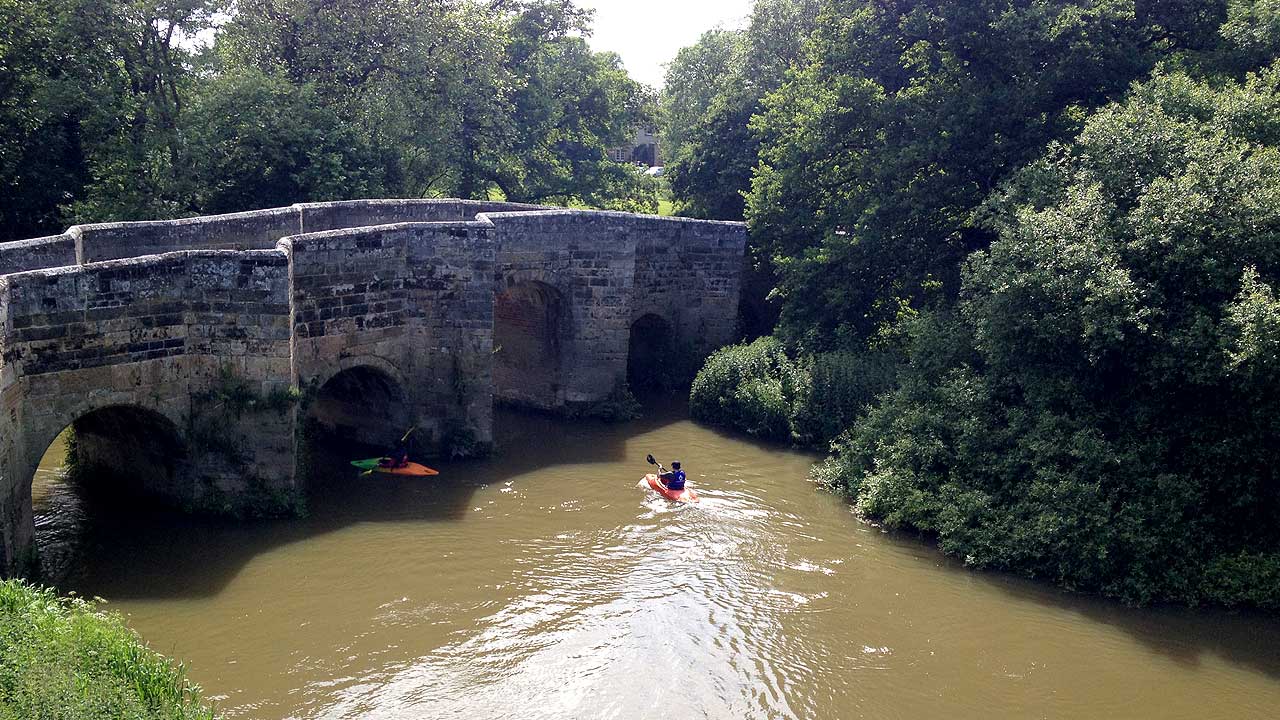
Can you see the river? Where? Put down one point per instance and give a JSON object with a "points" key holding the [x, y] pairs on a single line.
{"points": [[541, 583]]}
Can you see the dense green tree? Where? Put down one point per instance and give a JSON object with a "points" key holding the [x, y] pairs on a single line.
{"points": [[390, 70], [259, 141], [879, 152], [459, 98], [1102, 410], [713, 90], [46, 86], [698, 74], [90, 100], [118, 110], [137, 164], [570, 105]]}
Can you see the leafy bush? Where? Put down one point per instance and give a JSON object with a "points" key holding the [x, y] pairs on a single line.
{"points": [[64, 659], [752, 388], [1102, 411], [758, 389], [841, 386]]}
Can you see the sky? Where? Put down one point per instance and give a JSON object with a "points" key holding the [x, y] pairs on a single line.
{"points": [[649, 33]]}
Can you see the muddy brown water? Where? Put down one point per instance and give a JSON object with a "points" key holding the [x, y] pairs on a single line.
{"points": [[542, 584]]}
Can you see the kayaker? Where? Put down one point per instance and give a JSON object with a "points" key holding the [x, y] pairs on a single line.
{"points": [[399, 457], [674, 478]]}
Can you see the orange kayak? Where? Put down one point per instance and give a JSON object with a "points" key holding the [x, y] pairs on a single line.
{"points": [[412, 469], [685, 495]]}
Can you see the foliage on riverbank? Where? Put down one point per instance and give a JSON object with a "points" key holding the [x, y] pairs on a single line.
{"points": [[761, 390], [64, 659], [1064, 217], [1102, 410]]}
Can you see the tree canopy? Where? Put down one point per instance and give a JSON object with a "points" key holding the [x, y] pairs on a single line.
{"points": [[133, 109], [713, 89]]}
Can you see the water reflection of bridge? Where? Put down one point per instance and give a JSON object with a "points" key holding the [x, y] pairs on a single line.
{"points": [[189, 355]]}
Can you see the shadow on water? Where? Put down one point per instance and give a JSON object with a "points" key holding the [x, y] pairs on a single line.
{"points": [[122, 550], [117, 547], [1185, 636]]}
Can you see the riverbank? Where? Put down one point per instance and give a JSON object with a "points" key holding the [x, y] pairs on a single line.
{"points": [[958, 464], [63, 658]]}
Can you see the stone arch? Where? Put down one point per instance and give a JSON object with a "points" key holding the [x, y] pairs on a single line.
{"points": [[128, 448], [374, 362], [532, 332], [101, 418], [653, 353], [364, 400]]}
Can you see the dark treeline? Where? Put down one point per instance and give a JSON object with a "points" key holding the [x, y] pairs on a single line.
{"points": [[141, 109], [1059, 220]]}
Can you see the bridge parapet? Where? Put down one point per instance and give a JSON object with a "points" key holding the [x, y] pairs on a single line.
{"points": [[343, 214], [257, 229], [37, 253]]}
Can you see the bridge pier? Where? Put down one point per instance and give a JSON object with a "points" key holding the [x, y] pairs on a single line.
{"points": [[188, 354]]}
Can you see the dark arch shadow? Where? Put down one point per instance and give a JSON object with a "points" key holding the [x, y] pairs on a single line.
{"points": [[361, 404], [116, 458], [531, 327], [651, 355]]}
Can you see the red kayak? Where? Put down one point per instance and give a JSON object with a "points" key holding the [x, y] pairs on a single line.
{"points": [[685, 495]]}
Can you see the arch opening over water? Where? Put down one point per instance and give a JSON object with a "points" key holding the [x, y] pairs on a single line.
{"points": [[105, 460], [361, 404], [134, 449], [531, 328]]}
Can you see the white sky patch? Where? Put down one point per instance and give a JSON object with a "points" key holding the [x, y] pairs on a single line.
{"points": [[649, 33]]}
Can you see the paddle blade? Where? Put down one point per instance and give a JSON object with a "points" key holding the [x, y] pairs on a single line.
{"points": [[650, 459]]}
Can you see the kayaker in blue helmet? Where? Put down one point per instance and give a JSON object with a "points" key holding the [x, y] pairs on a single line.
{"points": [[673, 478]]}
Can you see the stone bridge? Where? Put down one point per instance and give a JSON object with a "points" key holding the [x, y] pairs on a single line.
{"points": [[191, 357]]}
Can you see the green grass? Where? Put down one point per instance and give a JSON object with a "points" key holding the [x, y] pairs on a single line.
{"points": [[63, 658]]}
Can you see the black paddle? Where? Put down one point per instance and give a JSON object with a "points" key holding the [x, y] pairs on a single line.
{"points": [[649, 457]]}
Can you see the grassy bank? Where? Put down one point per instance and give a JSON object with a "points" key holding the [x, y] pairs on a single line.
{"points": [[62, 658]]}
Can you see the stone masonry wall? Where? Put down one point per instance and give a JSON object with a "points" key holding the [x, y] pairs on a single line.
{"points": [[319, 217], [612, 268], [414, 301], [259, 229], [530, 326], [589, 259], [688, 272], [164, 335], [47, 252]]}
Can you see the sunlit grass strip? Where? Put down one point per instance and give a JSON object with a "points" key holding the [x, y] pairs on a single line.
{"points": [[62, 658]]}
